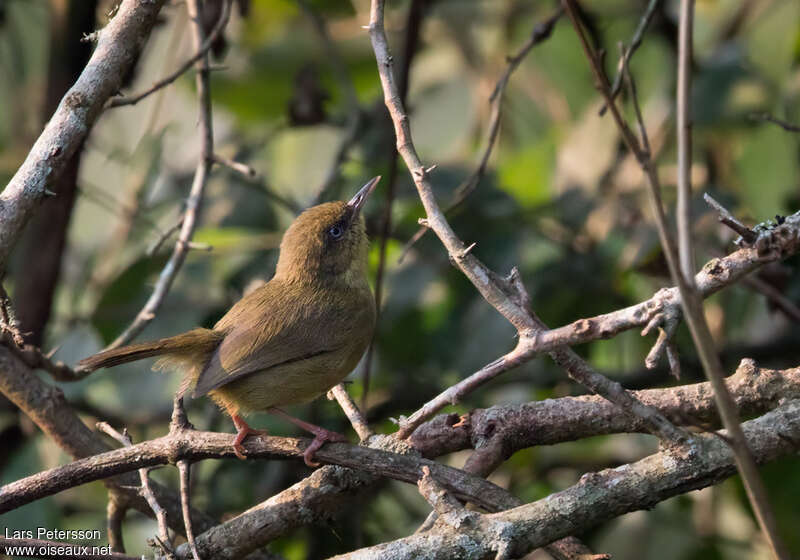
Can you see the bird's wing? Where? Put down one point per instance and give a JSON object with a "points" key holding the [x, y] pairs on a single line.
{"points": [[270, 327]]}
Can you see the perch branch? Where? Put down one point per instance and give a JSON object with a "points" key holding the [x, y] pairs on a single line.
{"points": [[596, 498]]}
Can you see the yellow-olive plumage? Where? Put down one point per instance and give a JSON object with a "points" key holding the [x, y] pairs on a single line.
{"points": [[290, 340]]}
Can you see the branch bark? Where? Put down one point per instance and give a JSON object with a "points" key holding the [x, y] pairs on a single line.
{"points": [[597, 497], [506, 429], [118, 46]]}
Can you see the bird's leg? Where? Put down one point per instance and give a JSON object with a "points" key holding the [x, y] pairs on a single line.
{"points": [[242, 431], [321, 435]]}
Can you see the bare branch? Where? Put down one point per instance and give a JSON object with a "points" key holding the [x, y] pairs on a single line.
{"points": [[684, 135], [34, 358], [193, 203], [446, 506], [766, 117], [754, 486], [725, 217], [628, 52], [184, 468], [47, 407], [789, 308], [505, 429], [508, 294], [541, 32], [161, 514], [241, 168], [350, 409], [117, 48], [597, 497], [196, 445], [681, 272], [200, 53]]}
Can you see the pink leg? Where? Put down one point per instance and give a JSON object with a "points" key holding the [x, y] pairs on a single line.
{"points": [[242, 431], [321, 435]]}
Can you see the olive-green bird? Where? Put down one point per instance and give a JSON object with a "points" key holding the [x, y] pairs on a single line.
{"points": [[288, 341]]}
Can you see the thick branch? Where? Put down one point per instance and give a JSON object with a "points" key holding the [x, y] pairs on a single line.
{"points": [[46, 406], [200, 53], [509, 428], [118, 46], [597, 497]]}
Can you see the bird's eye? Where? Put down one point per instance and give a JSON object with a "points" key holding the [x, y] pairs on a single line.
{"points": [[335, 231]]}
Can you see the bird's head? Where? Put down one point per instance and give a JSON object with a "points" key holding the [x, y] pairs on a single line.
{"points": [[326, 241]]}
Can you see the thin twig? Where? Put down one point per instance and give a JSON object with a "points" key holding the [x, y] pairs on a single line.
{"points": [[507, 295], [33, 357], [684, 135], [166, 234], [766, 117], [194, 202], [754, 486], [413, 28], [184, 468], [725, 217], [350, 409], [201, 52], [789, 308], [8, 323], [541, 31], [161, 515], [691, 302], [636, 41]]}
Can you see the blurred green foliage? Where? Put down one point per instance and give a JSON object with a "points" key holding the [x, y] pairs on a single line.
{"points": [[560, 200]]}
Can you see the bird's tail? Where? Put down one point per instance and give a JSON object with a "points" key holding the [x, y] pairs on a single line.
{"points": [[197, 342]]}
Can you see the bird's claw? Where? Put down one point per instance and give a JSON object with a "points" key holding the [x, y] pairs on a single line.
{"points": [[242, 431], [320, 438]]}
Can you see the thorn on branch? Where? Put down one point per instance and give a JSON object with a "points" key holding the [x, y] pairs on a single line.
{"points": [[466, 251]]}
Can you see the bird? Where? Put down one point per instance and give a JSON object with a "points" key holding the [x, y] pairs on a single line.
{"points": [[288, 341]]}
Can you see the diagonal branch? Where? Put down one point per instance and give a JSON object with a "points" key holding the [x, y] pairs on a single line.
{"points": [[200, 53], [541, 32], [118, 46], [596, 498], [507, 295], [194, 202], [682, 275], [499, 431]]}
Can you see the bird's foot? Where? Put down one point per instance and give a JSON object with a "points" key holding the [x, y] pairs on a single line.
{"points": [[242, 431], [321, 435]]}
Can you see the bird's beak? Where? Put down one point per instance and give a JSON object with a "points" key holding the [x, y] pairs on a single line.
{"points": [[361, 196]]}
